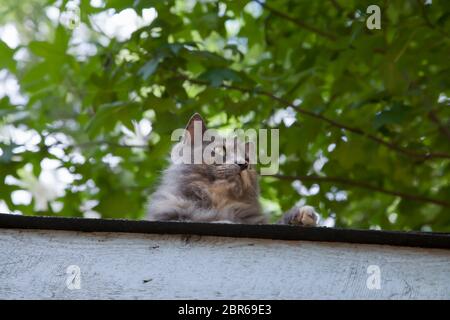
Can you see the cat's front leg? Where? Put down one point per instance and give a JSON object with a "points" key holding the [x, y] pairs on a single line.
{"points": [[304, 216]]}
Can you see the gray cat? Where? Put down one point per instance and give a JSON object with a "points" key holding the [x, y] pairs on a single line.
{"points": [[205, 192]]}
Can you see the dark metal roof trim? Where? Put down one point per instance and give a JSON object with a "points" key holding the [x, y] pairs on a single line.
{"points": [[276, 232]]}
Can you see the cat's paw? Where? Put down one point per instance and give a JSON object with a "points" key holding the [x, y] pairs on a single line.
{"points": [[305, 216]]}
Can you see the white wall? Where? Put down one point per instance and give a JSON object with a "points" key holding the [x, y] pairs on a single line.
{"points": [[33, 264]]}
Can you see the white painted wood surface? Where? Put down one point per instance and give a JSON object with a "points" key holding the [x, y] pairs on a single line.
{"points": [[33, 264]]}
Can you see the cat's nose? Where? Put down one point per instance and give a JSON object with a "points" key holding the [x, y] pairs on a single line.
{"points": [[243, 166]]}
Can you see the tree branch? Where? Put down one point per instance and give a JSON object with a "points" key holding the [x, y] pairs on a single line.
{"points": [[442, 128], [358, 131], [427, 20], [336, 5], [364, 185], [96, 143], [298, 22], [390, 145]]}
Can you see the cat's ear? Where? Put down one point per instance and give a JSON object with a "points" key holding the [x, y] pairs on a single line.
{"points": [[195, 126]]}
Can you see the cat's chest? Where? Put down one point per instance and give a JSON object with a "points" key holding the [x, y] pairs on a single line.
{"points": [[222, 193]]}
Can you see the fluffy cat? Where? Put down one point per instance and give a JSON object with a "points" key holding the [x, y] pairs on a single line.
{"points": [[205, 192]]}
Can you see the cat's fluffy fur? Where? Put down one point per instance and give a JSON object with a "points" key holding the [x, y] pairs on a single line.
{"points": [[214, 193]]}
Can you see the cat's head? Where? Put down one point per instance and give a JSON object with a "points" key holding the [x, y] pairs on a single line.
{"points": [[222, 157]]}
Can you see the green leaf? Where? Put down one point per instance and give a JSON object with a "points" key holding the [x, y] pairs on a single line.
{"points": [[149, 68], [394, 115], [217, 76], [109, 114], [6, 57], [7, 152]]}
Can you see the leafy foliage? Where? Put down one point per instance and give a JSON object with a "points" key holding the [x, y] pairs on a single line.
{"points": [[363, 114]]}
